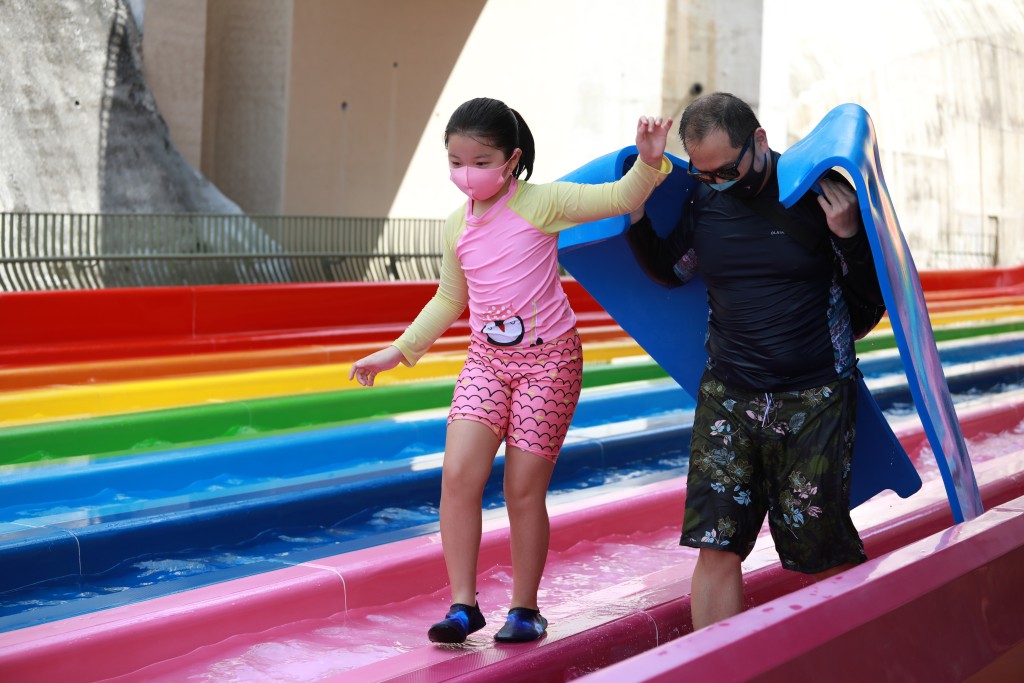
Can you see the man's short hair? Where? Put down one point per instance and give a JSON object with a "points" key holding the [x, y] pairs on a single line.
{"points": [[717, 111]]}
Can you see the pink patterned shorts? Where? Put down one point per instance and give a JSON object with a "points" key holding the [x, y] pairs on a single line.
{"points": [[527, 395]]}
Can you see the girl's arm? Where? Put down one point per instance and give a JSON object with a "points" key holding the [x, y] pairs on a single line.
{"points": [[440, 312], [443, 309], [575, 203]]}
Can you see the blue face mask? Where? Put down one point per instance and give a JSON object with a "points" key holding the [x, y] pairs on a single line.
{"points": [[751, 182], [723, 186]]}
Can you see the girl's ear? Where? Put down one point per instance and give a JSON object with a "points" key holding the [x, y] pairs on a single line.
{"points": [[513, 161]]}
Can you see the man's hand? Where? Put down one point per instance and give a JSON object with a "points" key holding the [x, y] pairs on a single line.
{"points": [[840, 205]]}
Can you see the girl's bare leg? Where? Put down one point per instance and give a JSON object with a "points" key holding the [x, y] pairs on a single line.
{"points": [[527, 476], [468, 457]]}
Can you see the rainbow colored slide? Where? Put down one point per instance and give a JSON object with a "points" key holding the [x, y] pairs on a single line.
{"points": [[615, 573]]}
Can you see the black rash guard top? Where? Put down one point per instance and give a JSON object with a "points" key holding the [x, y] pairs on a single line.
{"points": [[778, 321]]}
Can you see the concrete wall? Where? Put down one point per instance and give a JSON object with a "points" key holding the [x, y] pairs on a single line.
{"points": [[942, 83], [364, 81], [711, 46], [79, 129], [337, 106], [174, 63], [580, 73], [245, 100]]}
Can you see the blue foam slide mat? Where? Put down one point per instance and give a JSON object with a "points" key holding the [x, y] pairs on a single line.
{"points": [[845, 138], [671, 323]]}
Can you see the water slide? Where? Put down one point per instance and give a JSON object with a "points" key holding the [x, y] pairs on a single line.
{"points": [[302, 609], [313, 613]]}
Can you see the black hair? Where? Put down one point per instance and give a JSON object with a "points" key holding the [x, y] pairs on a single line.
{"points": [[717, 111], [495, 124]]}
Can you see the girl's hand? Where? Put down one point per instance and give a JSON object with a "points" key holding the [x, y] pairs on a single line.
{"points": [[651, 136], [365, 369]]}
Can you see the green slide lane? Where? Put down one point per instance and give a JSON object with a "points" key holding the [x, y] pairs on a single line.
{"points": [[164, 429]]}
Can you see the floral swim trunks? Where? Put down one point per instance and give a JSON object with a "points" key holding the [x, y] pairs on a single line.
{"points": [[785, 454], [527, 395]]}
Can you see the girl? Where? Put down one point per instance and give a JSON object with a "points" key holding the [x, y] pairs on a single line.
{"points": [[521, 379]]}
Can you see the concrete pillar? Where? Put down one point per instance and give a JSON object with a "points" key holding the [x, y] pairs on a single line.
{"points": [[711, 46], [174, 54], [245, 100]]}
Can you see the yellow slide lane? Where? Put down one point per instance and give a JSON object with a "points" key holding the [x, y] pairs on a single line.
{"points": [[977, 315], [75, 402]]}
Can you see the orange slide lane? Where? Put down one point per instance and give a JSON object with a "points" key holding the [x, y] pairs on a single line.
{"points": [[121, 370]]}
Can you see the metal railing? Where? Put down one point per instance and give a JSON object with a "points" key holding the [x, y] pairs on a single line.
{"points": [[971, 246], [44, 251]]}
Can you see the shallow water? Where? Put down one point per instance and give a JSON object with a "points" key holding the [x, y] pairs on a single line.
{"points": [[315, 649], [283, 544]]}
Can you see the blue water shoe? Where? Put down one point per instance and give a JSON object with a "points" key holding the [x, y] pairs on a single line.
{"points": [[522, 625], [460, 621]]}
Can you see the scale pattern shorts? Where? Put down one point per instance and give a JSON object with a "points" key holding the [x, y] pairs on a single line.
{"points": [[784, 454], [526, 395]]}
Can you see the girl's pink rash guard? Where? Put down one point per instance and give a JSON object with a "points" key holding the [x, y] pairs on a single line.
{"points": [[504, 264]]}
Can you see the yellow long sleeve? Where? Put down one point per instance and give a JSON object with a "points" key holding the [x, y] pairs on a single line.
{"points": [[443, 309], [565, 205]]}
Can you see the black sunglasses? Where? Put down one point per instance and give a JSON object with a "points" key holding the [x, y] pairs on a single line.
{"points": [[730, 172]]}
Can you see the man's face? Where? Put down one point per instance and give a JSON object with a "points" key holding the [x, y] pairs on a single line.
{"points": [[714, 159]]}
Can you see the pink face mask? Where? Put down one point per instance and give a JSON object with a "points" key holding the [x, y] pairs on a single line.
{"points": [[479, 183]]}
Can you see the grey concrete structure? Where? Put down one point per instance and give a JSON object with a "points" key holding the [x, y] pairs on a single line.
{"points": [[80, 133], [79, 128], [941, 80]]}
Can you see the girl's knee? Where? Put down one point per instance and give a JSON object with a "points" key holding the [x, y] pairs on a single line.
{"points": [[527, 476], [462, 483], [455, 488], [524, 495]]}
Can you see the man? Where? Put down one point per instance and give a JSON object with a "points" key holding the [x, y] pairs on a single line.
{"points": [[773, 429]]}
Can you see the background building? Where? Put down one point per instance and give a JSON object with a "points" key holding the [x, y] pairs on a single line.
{"points": [[337, 107]]}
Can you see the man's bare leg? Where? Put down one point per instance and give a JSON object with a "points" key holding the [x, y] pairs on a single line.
{"points": [[717, 587]]}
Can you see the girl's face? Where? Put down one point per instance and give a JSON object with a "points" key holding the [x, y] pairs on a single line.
{"points": [[467, 151]]}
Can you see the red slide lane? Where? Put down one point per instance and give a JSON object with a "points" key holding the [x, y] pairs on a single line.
{"points": [[84, 325]]}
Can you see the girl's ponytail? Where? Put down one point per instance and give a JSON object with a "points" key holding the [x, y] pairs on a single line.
{"points": [[526, 145]]}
